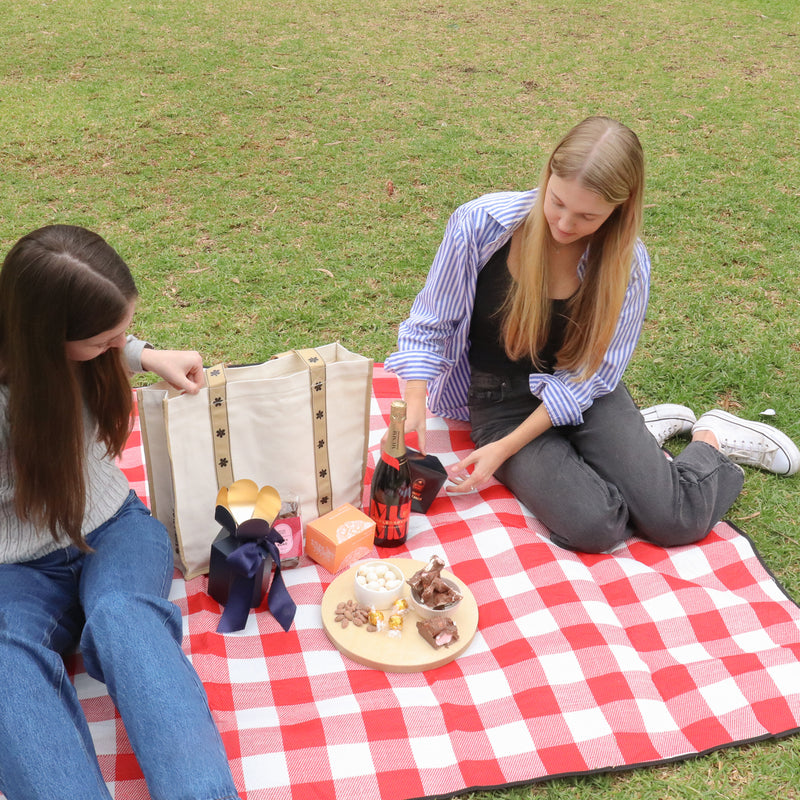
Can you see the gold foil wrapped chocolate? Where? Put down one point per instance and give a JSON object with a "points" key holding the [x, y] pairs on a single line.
{"points": [[400, 606], [375, 620], [395, 626]]}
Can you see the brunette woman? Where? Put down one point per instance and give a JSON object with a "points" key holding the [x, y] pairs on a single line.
{"points": [[81, 559]]}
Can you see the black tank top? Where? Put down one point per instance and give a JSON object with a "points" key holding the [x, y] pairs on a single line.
{"points": [[487, 353]]}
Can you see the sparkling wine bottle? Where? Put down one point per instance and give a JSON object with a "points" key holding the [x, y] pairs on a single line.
{"points": [[390, 495]]}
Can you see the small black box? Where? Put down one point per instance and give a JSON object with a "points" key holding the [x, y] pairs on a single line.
{"points": [[427, 477]]}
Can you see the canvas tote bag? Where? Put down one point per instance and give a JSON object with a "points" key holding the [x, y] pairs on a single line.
{"points": [[299, 422]]}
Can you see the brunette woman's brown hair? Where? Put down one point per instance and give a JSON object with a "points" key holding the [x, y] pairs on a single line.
{"points": [[58, 284], [605, 157]]}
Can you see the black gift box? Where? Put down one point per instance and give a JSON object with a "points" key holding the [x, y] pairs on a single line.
{"points": [[221, 576], [427, 477], [241, 558]]}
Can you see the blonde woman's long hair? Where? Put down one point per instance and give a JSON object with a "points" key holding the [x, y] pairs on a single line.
{"points": [[605, 157]]}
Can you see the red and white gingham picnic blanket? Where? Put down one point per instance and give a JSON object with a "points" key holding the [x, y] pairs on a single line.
{"points": [[580, 662]]}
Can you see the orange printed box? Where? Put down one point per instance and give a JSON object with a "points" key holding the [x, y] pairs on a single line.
{"points": [[340, 538]]}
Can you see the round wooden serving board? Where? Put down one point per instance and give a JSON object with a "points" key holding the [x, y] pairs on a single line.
{"points": [[408, 653]]}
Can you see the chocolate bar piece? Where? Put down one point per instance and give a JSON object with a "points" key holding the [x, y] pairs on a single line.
{"points": [[438, 632]]}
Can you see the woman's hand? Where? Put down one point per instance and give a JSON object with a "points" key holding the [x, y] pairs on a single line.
{"points": [[486, 461], [181, 369]]}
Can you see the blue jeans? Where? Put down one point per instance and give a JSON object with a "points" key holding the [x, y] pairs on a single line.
{"points": [[113, 602], [596, 484]]}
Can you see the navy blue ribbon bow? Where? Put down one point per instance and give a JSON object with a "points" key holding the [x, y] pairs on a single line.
{"points": [[260, 543]]}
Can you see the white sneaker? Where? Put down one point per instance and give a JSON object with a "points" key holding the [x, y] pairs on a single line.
{"points": [[754, 444], [667, 420]]}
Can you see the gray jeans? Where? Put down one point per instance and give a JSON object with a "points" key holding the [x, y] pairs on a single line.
{"points": [[596, 484]]}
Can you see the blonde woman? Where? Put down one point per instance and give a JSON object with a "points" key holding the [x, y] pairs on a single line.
{"points": [[529, 316]]}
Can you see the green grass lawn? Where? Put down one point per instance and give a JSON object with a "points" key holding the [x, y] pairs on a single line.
{"points": [[279, 175]]}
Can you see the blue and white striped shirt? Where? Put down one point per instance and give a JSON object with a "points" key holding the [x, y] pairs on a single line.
{"points": [[433, 342]]}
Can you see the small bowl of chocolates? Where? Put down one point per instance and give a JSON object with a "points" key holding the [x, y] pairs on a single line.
{"points": [[432, 595], [377, 584]]}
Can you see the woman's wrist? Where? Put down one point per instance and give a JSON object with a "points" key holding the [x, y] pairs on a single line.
{"points": [[417, 387], [133, 351]]}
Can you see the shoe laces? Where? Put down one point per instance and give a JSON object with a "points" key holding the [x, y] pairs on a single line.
{"points": [[754, 452], [664, 429], [672, 428]]}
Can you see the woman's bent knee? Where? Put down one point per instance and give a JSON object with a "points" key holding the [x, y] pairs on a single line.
{"points": [[118, 621], [592, 533], [674, 533]]}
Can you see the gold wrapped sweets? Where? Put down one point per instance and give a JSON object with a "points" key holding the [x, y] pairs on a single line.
{"points": [[375, 620], [395, 625], [400, 606]]}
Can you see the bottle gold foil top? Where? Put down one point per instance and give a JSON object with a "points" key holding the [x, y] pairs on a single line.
{"points": [[395, 440], [398, 409]]}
